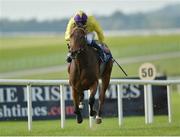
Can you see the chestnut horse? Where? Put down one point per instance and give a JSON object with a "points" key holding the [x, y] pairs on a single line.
{"points": [[84, 73]]}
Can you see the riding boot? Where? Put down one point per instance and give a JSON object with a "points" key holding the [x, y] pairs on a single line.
{"points": [[69, 58], [100, 51]]}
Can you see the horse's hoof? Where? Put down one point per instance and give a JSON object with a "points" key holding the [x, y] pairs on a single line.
{"points": [[93, 113], [79, 119], [98, 120], [81, 105]]}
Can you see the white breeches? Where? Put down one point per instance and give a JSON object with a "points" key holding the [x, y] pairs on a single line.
{"points": [[90, 37]]}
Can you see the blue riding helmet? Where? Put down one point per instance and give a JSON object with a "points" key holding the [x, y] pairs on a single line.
{"points": [[80, 18]]}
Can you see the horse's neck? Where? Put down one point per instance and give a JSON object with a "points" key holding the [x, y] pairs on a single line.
{"points": [[84, 57], [86, 65], [87, 58]]}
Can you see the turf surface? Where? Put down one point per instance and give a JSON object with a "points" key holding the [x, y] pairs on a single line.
{"points": [[131, 126], [21, 53]]}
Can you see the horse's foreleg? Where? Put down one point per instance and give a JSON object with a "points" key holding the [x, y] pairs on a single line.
{"points": [[81, 97], [76, 106], [101, 102], [93, 90], [105, 84]]}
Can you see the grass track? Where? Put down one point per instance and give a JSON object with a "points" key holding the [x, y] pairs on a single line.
{"points": [[131, 126], [21, 53], [32, 52]]}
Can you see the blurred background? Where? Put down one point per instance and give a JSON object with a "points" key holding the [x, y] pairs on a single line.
{"points": [[32, 46], [32, 41]]}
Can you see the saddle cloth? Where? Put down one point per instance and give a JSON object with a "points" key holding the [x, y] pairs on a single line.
{"points": [[107, 57], [106, 51]]}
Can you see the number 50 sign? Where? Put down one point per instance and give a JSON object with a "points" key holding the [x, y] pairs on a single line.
{"points": [[147, 71]]}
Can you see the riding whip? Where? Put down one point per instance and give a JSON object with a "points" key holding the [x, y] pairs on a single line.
{"points": [[120, 67]]}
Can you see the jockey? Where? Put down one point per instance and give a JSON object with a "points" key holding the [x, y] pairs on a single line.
{"points": [[91, 25]]}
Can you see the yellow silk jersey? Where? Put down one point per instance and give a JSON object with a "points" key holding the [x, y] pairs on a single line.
{"points": [[91, 26]]}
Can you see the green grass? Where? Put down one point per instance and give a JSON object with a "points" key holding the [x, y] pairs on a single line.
{"points": [[169, 67], [18, 53], [143, 45], [131, 126], [31, 52]]}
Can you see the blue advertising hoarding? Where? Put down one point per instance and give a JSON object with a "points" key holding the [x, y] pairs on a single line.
{"points": [[46, 101]]}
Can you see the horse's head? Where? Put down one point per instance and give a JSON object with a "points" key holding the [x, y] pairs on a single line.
{"points": [[77, 40]]}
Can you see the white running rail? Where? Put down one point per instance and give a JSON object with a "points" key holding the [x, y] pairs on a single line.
{"points": [[147, 95]]}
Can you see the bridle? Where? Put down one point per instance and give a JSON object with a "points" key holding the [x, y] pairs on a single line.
{"points": [[74, 54]]}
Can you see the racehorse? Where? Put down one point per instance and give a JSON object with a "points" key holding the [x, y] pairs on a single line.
{"points": [[84, 74]]}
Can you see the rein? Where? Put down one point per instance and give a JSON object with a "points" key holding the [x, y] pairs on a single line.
{"points": [[76, 52]]}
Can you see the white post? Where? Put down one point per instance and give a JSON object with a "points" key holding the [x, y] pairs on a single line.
{"points": [[169, 104], [120, 108], [150, 104], [145, 104], [90, 118], [29, 107], [62, 104]]}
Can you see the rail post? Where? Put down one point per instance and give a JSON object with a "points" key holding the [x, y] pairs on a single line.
{"points": [[148, 103], [145, 104], [29, 107], [169, 104], [62, 104], [120, 105]]}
